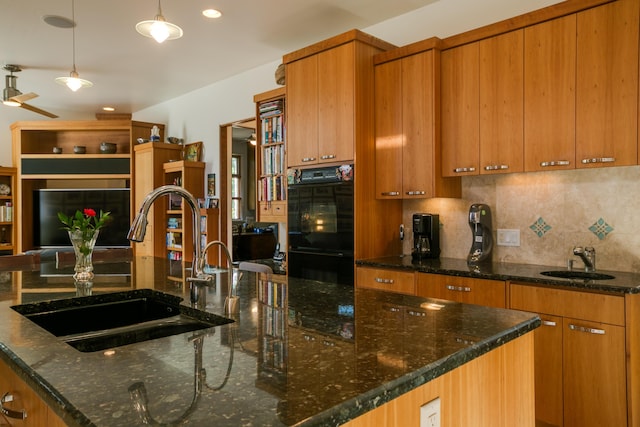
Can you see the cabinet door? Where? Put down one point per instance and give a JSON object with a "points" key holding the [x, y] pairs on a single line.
{"points": [[607, 85], [594, 374], [388, 129], [386, 280], [336, 104], [462, 289], [548, 371], [460, 89], [302, 111], [549, 95], [418, 116], [502, 103]]}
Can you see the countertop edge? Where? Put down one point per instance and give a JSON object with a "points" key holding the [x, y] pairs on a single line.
{"points": [[374, 398], [61, 406]]}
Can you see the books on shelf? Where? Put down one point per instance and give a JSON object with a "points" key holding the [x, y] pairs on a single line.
{"points": [[174, 240], [174, 223], [273, 160], [6, 212], [273, 130], [272, 188]]}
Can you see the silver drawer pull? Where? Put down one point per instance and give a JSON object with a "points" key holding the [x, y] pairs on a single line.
{"points": [[555, 163], [458, 288], [461, 170], [328, 156], [415, 193], [390, 193], [417, 313], [394, 309], [308, 159], [385, 281], [585, 329], [599, 160], [549, 323], [19, 415], [496, 167]]}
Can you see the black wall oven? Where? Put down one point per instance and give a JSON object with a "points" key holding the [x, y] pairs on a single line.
{"points": [[320, 209]]}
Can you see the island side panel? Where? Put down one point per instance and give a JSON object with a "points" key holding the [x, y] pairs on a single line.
{"points": [[493, 390]]}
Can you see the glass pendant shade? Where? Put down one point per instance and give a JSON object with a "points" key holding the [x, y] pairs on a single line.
{"points": [[73, 80], [158, 28]]}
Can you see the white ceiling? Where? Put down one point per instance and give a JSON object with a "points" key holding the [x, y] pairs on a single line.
{"points": [[131, 72]]}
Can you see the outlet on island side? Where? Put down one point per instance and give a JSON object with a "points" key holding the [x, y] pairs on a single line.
{"points": [[430, 413], [507, 237]]}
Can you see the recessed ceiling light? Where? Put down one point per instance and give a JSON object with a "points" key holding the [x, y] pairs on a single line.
{"points": [[108, 109], [212, 13], [58, 21]]}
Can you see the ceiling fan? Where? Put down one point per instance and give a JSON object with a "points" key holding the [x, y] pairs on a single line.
{"points": [[13, 97]]}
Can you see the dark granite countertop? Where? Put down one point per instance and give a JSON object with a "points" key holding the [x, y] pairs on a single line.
{"points": [[298, 353], [622, 283]]}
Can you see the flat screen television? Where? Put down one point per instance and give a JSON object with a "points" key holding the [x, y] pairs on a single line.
{"points": [[48, 232]]}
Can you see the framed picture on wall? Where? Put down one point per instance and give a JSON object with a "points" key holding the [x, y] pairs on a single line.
{"points": [[193, 152]]}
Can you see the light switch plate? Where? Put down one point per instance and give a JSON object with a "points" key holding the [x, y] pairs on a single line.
{"points": [[508, 237]]}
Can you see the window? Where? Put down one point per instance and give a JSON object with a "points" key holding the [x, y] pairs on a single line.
{"points": [[236, 188]]}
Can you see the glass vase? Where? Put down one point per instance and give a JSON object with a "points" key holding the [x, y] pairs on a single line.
{"points": [[83, 243]]}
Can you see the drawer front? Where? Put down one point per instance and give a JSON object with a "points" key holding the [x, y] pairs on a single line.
{"points": [[402, 282], [560, 302], [467, 290]]}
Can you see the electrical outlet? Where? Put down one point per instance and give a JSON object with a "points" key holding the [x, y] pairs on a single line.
{"points": [[430, 413], [508, 237]]}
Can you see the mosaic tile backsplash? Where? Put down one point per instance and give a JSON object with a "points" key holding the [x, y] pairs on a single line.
{"points": [[554, 212]]}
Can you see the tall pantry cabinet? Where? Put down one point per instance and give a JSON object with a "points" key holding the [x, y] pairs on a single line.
{"points": [[330, 121]]}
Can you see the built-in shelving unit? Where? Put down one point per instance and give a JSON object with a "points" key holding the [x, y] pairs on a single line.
{"points": [[271, 163], [7, 211], [272, 332], [39, 166]]}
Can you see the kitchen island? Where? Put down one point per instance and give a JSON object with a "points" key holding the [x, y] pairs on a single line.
{"points": [[299, 352]]}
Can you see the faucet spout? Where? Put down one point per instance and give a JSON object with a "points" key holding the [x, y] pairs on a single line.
{"points": [[588, 257], [139, 226], [231, 301]]}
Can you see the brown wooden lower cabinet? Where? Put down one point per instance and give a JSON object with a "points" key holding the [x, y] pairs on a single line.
{"points": [[402, 282], [25, 399], [494, 390], [582, 377], [491, 293]]}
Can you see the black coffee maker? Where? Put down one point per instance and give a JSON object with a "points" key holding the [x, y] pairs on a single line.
{"points": [[426, 236], [482, 242]]}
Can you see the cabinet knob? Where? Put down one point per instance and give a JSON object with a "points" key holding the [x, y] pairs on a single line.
{"points": [[555, 163], [19, 415], [599, 160], [462, 170]]}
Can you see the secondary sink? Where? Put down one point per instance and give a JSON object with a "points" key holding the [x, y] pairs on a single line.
{"points": [[110, 320], [582, 275]]}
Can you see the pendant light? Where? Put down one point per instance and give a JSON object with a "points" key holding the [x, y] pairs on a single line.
{"points": [[158, 28], [73, 81]]}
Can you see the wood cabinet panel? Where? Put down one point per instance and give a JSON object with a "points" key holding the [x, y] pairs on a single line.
{"points": [[462, 289], [302, 111], [386, 280], [579, 305], [336, 104], [549, 94], [594, 374], [460, 89], [607, 85], [502, 103], [548, 373]]}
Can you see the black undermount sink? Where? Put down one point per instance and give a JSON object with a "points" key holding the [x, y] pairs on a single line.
{"points": [[110, 320], [580, 275]]}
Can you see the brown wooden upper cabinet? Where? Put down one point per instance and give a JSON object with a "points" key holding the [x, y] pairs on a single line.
{"points": [[406, 123], [320, 114], [482, 106]]}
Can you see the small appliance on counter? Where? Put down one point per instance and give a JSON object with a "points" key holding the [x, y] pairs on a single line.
{"points": [[482, 243], [426, 236]]}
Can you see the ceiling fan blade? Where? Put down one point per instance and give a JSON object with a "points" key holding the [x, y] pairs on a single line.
{"points": [[24, 97], [38, 110]]}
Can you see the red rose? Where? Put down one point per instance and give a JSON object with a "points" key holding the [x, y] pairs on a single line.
{"points": [[89, 212]]}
